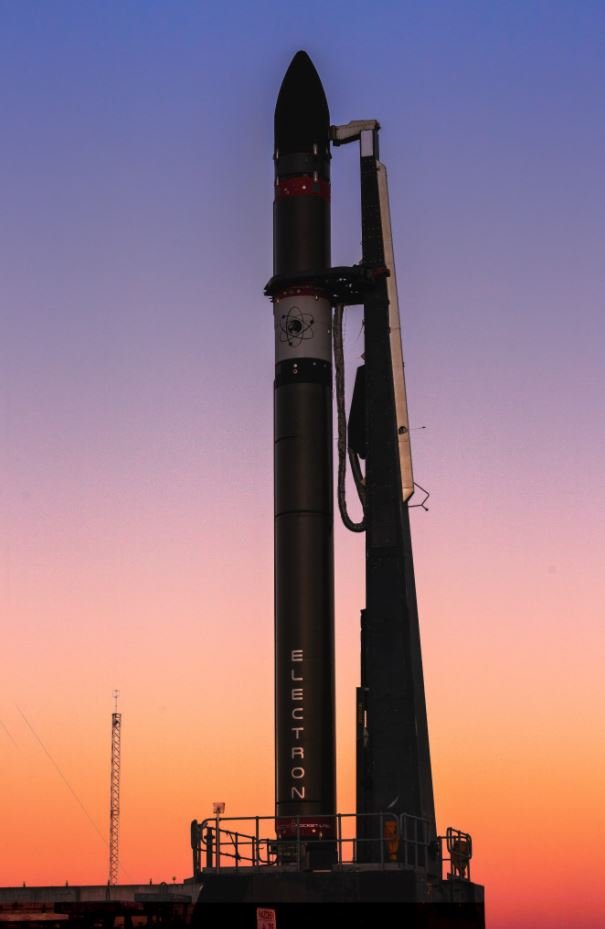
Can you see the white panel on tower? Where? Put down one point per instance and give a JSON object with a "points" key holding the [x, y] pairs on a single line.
{"points": [[401, 402]]}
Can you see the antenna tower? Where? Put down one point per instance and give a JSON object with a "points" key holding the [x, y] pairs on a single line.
{"points": [[114, 810]]}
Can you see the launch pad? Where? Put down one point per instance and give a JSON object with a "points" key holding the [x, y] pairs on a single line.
{"points": [[240, 861], [389, 849]]}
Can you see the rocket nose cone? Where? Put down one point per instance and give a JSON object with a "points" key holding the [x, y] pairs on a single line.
{"points": [[302, 118]]}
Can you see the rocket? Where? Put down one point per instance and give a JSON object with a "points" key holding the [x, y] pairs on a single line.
{"points": [[393, 758], [303, 492]]}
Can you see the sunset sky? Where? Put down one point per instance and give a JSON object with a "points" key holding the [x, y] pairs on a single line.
{"points": [[136, 370]]}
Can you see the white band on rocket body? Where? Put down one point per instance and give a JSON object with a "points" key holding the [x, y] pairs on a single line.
{"points": [[303, 327]]}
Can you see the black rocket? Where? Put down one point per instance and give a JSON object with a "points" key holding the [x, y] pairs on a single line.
{"points": [[304, 558]]}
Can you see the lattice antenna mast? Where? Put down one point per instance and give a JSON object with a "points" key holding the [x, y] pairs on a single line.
{"points": [[114, 810]]}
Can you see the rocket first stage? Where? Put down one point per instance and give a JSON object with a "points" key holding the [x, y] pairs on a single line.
{"points": [[304, 558]]}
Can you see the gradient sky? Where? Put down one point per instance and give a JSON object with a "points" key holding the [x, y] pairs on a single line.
{"points": [[136, 419]]}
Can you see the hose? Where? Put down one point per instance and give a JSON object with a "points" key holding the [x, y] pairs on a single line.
{"points": [[339, 366]]}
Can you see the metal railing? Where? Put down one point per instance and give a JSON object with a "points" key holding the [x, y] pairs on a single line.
{"points": [[459, 848], [378, 839]]}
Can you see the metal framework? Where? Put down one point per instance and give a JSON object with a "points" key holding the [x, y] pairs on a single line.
{"points": [[405, 842], [114, 808]]}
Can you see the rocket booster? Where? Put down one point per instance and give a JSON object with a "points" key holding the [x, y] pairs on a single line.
{"points": [[304, 559]]}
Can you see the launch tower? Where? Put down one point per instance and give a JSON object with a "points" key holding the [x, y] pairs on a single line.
{"points": [[389, 849]]}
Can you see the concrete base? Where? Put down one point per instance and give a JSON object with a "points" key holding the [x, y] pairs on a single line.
{"points": [[270, 898], [342, 885]]}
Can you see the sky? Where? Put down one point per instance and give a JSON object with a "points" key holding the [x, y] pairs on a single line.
{"points": [[136, 369]]}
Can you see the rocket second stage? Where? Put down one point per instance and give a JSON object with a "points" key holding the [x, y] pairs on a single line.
{"points": [[304, 559]]}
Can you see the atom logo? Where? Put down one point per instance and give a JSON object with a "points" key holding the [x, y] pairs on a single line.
{"points": [[295, 326]]}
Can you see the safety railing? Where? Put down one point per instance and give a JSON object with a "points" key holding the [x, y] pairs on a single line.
{"points": [[457, 851], [379, 839]]}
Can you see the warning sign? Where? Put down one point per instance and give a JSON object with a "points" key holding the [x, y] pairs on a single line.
{"points": [[265, 919]]}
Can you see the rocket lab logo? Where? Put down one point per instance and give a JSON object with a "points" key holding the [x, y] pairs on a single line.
{"points": [[295, 326]]}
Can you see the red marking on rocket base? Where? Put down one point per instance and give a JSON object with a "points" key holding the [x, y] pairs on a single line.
{"points": [[303, 186]]}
